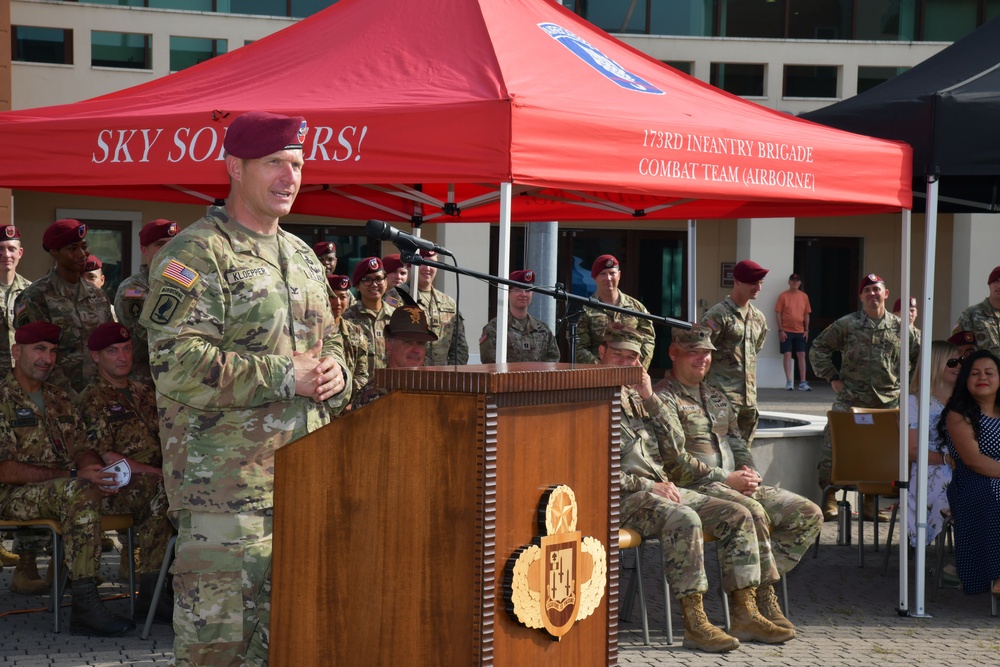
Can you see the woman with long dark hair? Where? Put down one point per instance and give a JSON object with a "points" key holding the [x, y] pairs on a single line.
{"points": [[970, 424]]}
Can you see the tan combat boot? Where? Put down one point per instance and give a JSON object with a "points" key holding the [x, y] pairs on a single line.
{"points": [[7, 558], [699, 633], [26, 580], [748, 625], [767, 605], [830, 504]]}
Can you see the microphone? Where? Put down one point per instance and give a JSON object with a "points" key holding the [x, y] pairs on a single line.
{"points": [[376, 229]]}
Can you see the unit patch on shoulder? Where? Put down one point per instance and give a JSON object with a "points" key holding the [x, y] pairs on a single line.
{"points": [[180, 273], [166, 305]]}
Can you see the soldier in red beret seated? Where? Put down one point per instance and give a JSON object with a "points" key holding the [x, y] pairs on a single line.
{"points": [[49, 470]]}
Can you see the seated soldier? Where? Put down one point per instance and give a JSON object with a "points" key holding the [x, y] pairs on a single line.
{"points": [[119, 414], [355, 342], [704, 451], [48, 471], [655, 507], [406, 339]]}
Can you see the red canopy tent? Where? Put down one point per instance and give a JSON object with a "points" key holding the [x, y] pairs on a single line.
{"points": [[425, 108]]}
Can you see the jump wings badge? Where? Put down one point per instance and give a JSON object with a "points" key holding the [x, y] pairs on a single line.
{"points": [[560, 578]]}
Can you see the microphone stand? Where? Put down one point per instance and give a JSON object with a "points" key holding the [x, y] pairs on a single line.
{"points": [[411, 255]]}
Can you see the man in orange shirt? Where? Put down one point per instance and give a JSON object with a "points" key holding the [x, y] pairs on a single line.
{"points": [[793, 321]]}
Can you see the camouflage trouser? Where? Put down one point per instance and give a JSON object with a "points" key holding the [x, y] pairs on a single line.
{"points": [[841, 404], [680, 526], [72, 503], [222, 588], [786, 525], [746, 420]]}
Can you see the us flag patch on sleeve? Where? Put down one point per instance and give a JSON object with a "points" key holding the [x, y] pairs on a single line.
{"points": [[180, 273]]}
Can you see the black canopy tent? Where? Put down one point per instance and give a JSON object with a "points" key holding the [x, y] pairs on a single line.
{"points": [[948, 109]]}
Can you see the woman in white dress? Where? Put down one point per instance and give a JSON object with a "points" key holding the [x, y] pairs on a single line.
{"points": [[945, 365]]}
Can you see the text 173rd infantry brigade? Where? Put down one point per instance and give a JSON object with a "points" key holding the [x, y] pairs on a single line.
{"points": [[741, 148]]}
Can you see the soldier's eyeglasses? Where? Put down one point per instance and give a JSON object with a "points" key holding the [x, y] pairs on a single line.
{"points": [[368, 280], [951, 363]]}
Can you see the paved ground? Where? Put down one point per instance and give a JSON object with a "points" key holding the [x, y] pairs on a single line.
{"points": [[846, 615]]}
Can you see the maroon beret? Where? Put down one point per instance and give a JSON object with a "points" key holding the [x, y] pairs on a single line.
{"points": [[325, 248], [899, 302], [748, 271], [109, 333], [392, 263], [960, 338], [428, 253], [94, 263], [870, 279], [37, 332], [259, 133], [366, 266], [8, 232], [523, 276], [339, 283], [153, 231], [601, 263], [994, 276], [62, 233]]}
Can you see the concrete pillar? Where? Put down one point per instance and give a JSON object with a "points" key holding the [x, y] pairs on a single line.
{"points": [[470, 243], [541, 250], [771, 243], [975, 239]]}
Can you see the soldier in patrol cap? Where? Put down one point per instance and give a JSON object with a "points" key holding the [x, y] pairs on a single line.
{"points": [[965, 341], [868, 377], [704, 450], [65, 299], [738, 332], [655, 507], [132, 293], [528, 338], [983, 319], [355, 340], [48, 470], [371, 314], [606, 273], [246, 358], [407, 337]]}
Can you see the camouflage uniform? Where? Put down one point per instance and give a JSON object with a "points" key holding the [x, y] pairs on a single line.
{"points": [[372, 325], [77, 309], [593, 322], [53, 440], [869, 366], [7, 320], [983, 320], [447, 323], [355, 353], [738, 338], [529, 339], [122, 423], [129, 300], [680, 526], [370, 392], [706, 448], [227, 309]]}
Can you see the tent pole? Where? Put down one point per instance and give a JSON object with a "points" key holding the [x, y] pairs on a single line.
{"points": [[692, 273], [923, 426], [503, 269], [904, 387]]}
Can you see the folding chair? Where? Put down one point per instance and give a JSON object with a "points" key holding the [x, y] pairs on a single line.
{"points": [[108, 522], [865, 446], [168, 557]]}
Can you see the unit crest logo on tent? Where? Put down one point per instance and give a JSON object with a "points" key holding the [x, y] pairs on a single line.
{"points": [[600, 62]]}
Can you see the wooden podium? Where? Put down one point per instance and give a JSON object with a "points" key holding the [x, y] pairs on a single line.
{"points": [[393, 525]]}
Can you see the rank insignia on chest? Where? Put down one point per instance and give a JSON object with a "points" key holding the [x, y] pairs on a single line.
{"points": [[526, 345]]}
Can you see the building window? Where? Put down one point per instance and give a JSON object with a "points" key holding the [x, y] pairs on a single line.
{"points": [[869, 77], [303, 8], [188, 51], [253, 7], [41, 45], [810, 81], [120, 49], [894, 20], [743, 79], [823, 19], [949, 20], [683, 65], [188, 5], [752, 18]]}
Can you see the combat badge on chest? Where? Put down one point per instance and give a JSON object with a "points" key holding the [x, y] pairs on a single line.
{"points": [[560, 578]]}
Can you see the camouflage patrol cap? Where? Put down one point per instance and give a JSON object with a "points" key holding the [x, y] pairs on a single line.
{"points": [[622, 337], [409, 323], [698, 337], [258, 133], [37, 332]]}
